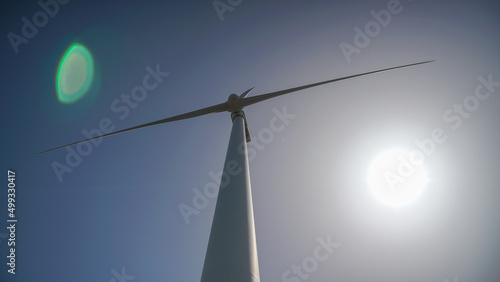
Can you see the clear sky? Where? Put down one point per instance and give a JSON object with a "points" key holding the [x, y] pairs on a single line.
{"points": [[115, 212]]}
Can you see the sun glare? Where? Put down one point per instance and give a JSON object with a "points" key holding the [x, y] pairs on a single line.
{"points": [[396, 177]]}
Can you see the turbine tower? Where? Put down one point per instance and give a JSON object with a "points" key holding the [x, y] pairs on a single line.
{"points": [[232, 249]]}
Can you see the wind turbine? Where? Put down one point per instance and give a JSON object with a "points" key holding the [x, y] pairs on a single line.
{"points": [[232, 250]]}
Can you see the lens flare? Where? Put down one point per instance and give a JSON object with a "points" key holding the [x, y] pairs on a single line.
{"points": [[74, 74]]}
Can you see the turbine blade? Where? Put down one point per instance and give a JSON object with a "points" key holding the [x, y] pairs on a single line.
{"points": [[259, 98], [205, 111], [244, 94]]}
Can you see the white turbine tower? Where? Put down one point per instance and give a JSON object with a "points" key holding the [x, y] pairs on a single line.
{"points": [[232, 250]]}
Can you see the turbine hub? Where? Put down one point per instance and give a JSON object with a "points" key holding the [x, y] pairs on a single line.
{"points": [[233, 103]]}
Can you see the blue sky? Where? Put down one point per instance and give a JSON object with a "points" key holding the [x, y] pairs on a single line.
{"points": [[118, 210]]}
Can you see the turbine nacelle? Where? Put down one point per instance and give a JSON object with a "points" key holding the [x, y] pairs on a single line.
{"points": [[233, 104], [233, 101], [236, 109]]}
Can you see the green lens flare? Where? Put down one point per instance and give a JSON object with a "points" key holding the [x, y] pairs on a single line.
{"points": [[74, 74]]}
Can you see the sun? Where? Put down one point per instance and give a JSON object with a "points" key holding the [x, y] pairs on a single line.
{"points": [[396, 177]]}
